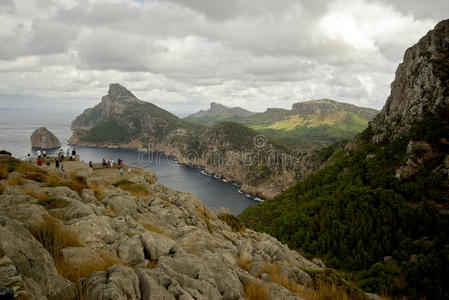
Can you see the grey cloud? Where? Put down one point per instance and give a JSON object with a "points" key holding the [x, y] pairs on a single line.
{"points": [[7, 7], [434, 9]]}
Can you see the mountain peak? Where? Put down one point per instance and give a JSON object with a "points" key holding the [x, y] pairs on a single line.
{"points": [[118, 91], [420, 85], [217, 109]]}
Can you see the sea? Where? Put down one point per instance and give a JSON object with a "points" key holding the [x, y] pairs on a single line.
{"points": [[17, 125]]}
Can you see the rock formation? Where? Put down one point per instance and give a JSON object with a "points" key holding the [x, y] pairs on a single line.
{"points": [[162, 244], [44, 139], [421, 85]]}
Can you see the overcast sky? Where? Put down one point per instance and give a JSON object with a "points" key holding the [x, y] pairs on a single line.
{"points": [[184, 54]]}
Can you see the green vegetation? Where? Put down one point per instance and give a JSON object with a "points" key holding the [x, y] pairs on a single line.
{"points": [[302, 130], [354, 212], [233, 222]]}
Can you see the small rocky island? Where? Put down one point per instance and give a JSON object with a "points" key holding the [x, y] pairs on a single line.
{"points": [[44, 139]]}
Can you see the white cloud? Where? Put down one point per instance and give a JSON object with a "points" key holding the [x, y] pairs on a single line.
{"points": [[183, 54]]}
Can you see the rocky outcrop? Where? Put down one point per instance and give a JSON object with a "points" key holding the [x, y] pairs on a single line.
{"points": [[166, 245], [44, 139], [421, 86]]}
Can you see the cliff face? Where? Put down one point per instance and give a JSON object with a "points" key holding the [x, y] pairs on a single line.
{"points": [[133, 240], [421, 85], [44, 139], [227, 150]]}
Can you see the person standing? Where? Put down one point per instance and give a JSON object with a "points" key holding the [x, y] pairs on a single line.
{"points": [[44, 154], [73, 154], [39, 153], [57, 163], [67, 153], [121, 171], [91, 164], [28, 159]]}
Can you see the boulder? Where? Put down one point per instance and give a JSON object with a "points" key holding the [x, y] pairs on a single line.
{"points": [[44, 139], [156, 245], [117, 282], [32, 261]]}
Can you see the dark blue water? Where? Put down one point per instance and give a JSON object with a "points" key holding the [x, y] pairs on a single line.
{"points": [[16, 127]]}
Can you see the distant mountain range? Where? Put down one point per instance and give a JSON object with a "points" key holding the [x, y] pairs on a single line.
{"points": [[309, 124]]}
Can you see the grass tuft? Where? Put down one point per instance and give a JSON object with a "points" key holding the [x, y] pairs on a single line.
{"points": [[54, 236], [137, 190], [152, 228], [244, 263], [98, 191], [50, 203], [256, 291], [15, 181]]}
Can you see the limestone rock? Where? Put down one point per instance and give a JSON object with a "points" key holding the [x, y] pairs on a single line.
{"points": [[420, 85], [32, 261], [117, 282], [44, 139]]}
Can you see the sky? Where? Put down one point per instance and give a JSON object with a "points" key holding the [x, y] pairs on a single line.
{"points": [[184, 54]]}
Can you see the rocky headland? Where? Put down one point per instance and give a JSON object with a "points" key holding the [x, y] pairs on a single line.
{"points": [[231, 151], [93, 234]]}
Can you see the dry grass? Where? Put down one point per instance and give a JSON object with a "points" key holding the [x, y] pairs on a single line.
{"points": [[256, 291], [77, 182], [3, 172], [137, 190], [103, 261], [152, 264], [244, 263], [325, 291], [51, 202], [54, 236], [98, 191], [203, 215], [15, 181], [34, 194], [233, 222], [275, 272], [152, 228]]}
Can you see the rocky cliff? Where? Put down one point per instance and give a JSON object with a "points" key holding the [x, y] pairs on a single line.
{"points": [[227, 150], [93, 234], [421, 85], [44, 139]]}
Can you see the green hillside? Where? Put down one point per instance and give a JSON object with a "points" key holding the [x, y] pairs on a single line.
{"points": [[310, 124], [355, 212]]}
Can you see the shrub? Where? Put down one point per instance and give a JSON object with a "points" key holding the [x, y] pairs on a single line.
{"points": [[233, 222], [256, 291], [38, 177], [275, 272]]}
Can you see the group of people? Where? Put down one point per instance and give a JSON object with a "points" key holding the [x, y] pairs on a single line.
{"points": [[109, 163], [67, 154]]}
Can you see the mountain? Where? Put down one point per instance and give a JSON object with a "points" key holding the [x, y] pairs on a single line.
{"points": [[310, 124], [379, 207], [122, 120], [227, 150], [218, 112]]}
